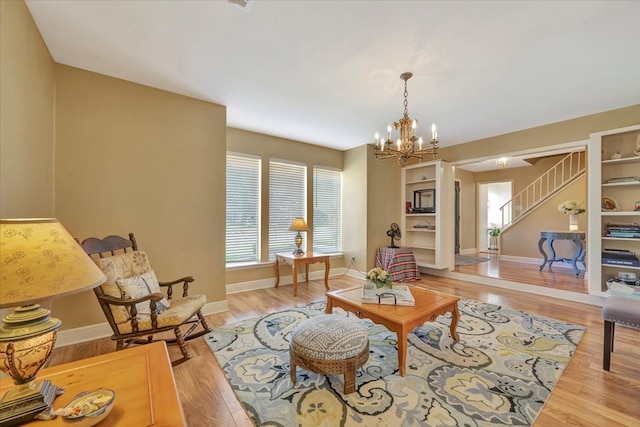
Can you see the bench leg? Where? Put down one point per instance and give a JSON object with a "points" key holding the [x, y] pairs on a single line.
{"points": [[609, 330]]}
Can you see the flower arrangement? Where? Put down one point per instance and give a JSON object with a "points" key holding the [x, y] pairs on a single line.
{"points": [[381, 278], [571, 207]]}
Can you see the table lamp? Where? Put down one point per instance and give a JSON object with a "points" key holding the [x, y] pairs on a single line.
{"points": [[40, 262], [298, 225]]}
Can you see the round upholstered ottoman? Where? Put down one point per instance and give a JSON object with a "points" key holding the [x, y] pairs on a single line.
{"points": [[329, 344]]}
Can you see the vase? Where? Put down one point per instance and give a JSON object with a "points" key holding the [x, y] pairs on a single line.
{"points": [[382, 289], [573, 222]]}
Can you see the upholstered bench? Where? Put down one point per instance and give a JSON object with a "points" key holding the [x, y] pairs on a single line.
{"points": [[622, 310], [330, 344]]}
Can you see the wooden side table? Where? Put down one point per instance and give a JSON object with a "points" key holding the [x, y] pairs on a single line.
{"points": [[141, 377], [304, 259]]}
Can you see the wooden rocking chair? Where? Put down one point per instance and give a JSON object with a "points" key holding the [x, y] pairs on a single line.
{"points": [[132, 301]]}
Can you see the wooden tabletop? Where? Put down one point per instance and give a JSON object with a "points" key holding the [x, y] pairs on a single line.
{"points": [[141, 377]]}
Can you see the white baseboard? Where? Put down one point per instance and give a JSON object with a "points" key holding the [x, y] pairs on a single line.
{"points": [[102, 330], [284, 281], [538, 261]]}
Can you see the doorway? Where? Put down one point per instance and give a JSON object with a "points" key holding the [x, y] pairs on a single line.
{"points": [[491, 197]]}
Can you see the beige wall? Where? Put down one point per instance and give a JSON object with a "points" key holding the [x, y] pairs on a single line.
{"points": [[271, 147], [385, 202], [543, 136], [130, 158], [521, 240], [26, 116], [354, 195]]}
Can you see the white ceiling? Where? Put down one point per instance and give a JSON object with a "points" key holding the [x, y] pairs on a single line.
{"points": [[327, 72]]}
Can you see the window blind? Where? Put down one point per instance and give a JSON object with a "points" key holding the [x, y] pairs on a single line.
{"points": [[287, 190], [243, 209], [327, 210]]}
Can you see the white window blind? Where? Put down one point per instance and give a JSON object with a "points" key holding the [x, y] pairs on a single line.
{"points": [[243, 209], [327, 210], [287, 190]]}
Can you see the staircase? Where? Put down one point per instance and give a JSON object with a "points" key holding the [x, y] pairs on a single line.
{"points": [[546, 185]]}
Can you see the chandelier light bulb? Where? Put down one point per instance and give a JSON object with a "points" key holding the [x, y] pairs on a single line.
{"points": [[398, 143], [434, 133], [414, 124], [420, 143]]}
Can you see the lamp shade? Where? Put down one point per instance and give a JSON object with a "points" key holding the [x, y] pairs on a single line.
{"points": [[41, 261], [298, 224]]}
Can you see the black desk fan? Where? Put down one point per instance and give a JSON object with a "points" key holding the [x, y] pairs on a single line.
{"points": [[394, 233]]}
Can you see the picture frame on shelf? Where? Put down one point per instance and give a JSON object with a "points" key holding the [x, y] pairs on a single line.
{"points": [[424, 201]]}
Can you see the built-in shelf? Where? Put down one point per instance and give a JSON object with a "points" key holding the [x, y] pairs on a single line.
{"points": [[432, 247], [635, 159], [623, 267], [621, 184], [620, 213], [421, 181], [626, 195]]}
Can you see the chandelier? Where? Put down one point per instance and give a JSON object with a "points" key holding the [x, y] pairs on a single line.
{"points": [[407, 144]]}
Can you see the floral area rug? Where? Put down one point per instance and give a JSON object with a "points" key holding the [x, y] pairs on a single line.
{"points": [[500, 372]]}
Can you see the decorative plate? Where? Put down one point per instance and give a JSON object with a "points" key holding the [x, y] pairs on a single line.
{"points": [[610, 204]]}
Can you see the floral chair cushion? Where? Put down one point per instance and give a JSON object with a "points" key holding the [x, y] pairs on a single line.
{"points": [[117, 267], [181, 309], [142, 285]]}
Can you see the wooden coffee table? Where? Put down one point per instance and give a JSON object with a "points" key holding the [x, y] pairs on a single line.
{"points": [[399, 319]]}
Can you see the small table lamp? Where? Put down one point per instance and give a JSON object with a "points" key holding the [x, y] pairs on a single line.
{"points": [[298, 225], [40, 261]]}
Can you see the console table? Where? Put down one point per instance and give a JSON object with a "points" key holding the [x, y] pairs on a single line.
{"points": [[304, 259], [399, 262], [141, 377], [577, 237]]}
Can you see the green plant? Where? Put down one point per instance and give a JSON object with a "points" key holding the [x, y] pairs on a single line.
{"points": [[494, 231]]}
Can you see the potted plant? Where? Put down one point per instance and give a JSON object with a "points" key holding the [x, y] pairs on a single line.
{"points": [[494, 232]]}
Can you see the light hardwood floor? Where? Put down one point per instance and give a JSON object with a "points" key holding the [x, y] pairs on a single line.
{"points": [[585, 395], [558, 277]]}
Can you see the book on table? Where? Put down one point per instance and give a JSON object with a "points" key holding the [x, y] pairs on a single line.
{"points": [[397, 295]]}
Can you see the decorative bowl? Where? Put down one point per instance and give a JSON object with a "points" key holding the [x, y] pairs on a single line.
{"points": [[89, 408]]}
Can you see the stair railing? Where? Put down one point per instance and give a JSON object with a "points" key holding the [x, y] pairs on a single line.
{"points": [[546, 185]]}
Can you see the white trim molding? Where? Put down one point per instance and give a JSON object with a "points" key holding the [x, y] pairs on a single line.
{"points": [[102, 330]]}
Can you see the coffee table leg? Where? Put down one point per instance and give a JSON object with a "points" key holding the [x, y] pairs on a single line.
{"points": [[402, 351], [326, 274], [277, 268], [329, 308], [454, 321]]}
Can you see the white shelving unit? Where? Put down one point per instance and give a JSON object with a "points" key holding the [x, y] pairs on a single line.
{"points": [[601, 169], [430, 235]]}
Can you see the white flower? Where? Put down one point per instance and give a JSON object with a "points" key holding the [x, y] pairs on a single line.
{"points": [[571, 207], [380, 277]]}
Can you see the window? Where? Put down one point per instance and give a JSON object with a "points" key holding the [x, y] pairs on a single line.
{"points": [[287, 190], [243, 208], [327, 210]]}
